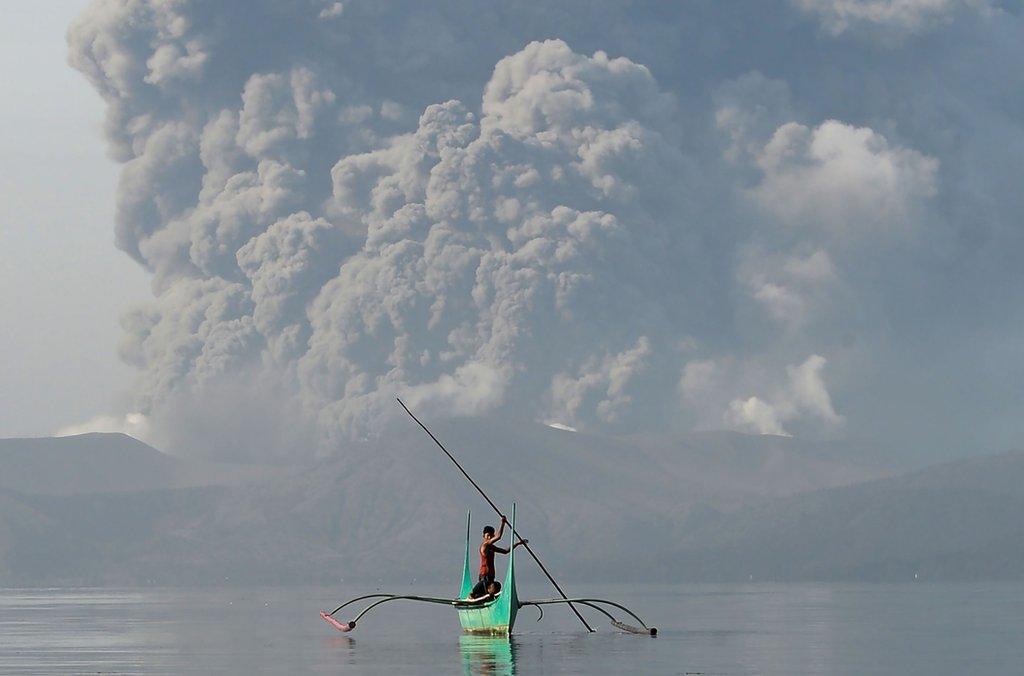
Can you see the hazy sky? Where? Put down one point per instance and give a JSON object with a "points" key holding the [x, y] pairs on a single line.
{"points": [[63, 284], [796, 217]]}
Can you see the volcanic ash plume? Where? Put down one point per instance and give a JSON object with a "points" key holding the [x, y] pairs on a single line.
{"points": [[338, 206], [516, 257]]}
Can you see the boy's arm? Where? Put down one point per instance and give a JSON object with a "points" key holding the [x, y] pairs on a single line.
{"points": [[504, 550]]}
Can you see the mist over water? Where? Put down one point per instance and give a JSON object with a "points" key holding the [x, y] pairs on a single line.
{"points": [[744, 630]]}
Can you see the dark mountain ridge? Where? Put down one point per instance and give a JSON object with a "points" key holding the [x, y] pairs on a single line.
{"points": [[708, 506]]}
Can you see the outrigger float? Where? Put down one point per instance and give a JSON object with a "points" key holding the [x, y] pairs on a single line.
{"points": [[496, 615]]}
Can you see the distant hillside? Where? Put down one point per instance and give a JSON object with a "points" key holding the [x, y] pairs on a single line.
{"points": [[102, 462], [390, 508], [106, 510], [87, 463], [955, 521], [746, 467]]}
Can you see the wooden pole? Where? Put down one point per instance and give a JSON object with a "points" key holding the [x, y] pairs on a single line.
{"points": [[497, 511]]}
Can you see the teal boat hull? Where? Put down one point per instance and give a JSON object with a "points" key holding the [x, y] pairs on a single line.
{"points": [[497, 617]]}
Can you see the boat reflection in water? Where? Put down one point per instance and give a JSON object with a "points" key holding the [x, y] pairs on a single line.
{"points": [[491, 655]]}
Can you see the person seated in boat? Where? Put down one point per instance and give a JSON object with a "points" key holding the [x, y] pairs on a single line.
{"points": [[492, 591], [487, 550]]}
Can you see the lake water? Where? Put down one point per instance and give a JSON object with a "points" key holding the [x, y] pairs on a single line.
{"points": [[703, 629]]}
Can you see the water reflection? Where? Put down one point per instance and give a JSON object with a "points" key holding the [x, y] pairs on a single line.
{"points": [[748, 630], [490, 655]]}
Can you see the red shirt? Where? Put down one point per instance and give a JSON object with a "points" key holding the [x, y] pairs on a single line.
{"points": [[487, 560]]}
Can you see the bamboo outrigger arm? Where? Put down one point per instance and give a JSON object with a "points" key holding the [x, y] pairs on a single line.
{"points": [[426, 599], [383, 598], [592, 603], [589, 602]]}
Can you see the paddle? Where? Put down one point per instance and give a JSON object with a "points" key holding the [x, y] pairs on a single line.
{"points": [[498, 512]]}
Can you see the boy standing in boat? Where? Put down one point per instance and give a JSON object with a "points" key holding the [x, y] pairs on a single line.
{"points": [[487, 549]]}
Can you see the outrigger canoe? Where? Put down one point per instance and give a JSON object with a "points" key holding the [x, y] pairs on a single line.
{"points": [[498, 615], [494, 617]]}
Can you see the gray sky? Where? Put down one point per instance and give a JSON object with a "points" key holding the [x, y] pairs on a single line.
{"points": [[798, 217], [63, 284]]}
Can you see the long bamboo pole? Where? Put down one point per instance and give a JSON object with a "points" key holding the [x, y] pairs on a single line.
{"points": [[497, 511]]}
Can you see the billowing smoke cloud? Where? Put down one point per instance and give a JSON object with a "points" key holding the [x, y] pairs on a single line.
{"points": [[340, 202], [507, 256], [802, 396], [897, 16]]}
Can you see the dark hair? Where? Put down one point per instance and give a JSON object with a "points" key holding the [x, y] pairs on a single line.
{"points": [[488, 530], [497, 586]]}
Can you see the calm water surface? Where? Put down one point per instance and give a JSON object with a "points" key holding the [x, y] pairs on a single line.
{"points": [[726, 629]]}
